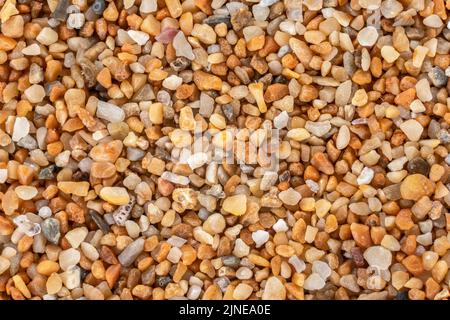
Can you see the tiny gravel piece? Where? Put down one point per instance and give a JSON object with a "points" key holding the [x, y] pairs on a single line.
{"points": [[51, 230], [378, 256], [131, 252]]}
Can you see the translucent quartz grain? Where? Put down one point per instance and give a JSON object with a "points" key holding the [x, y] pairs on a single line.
{"points": [[174, 7]]}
